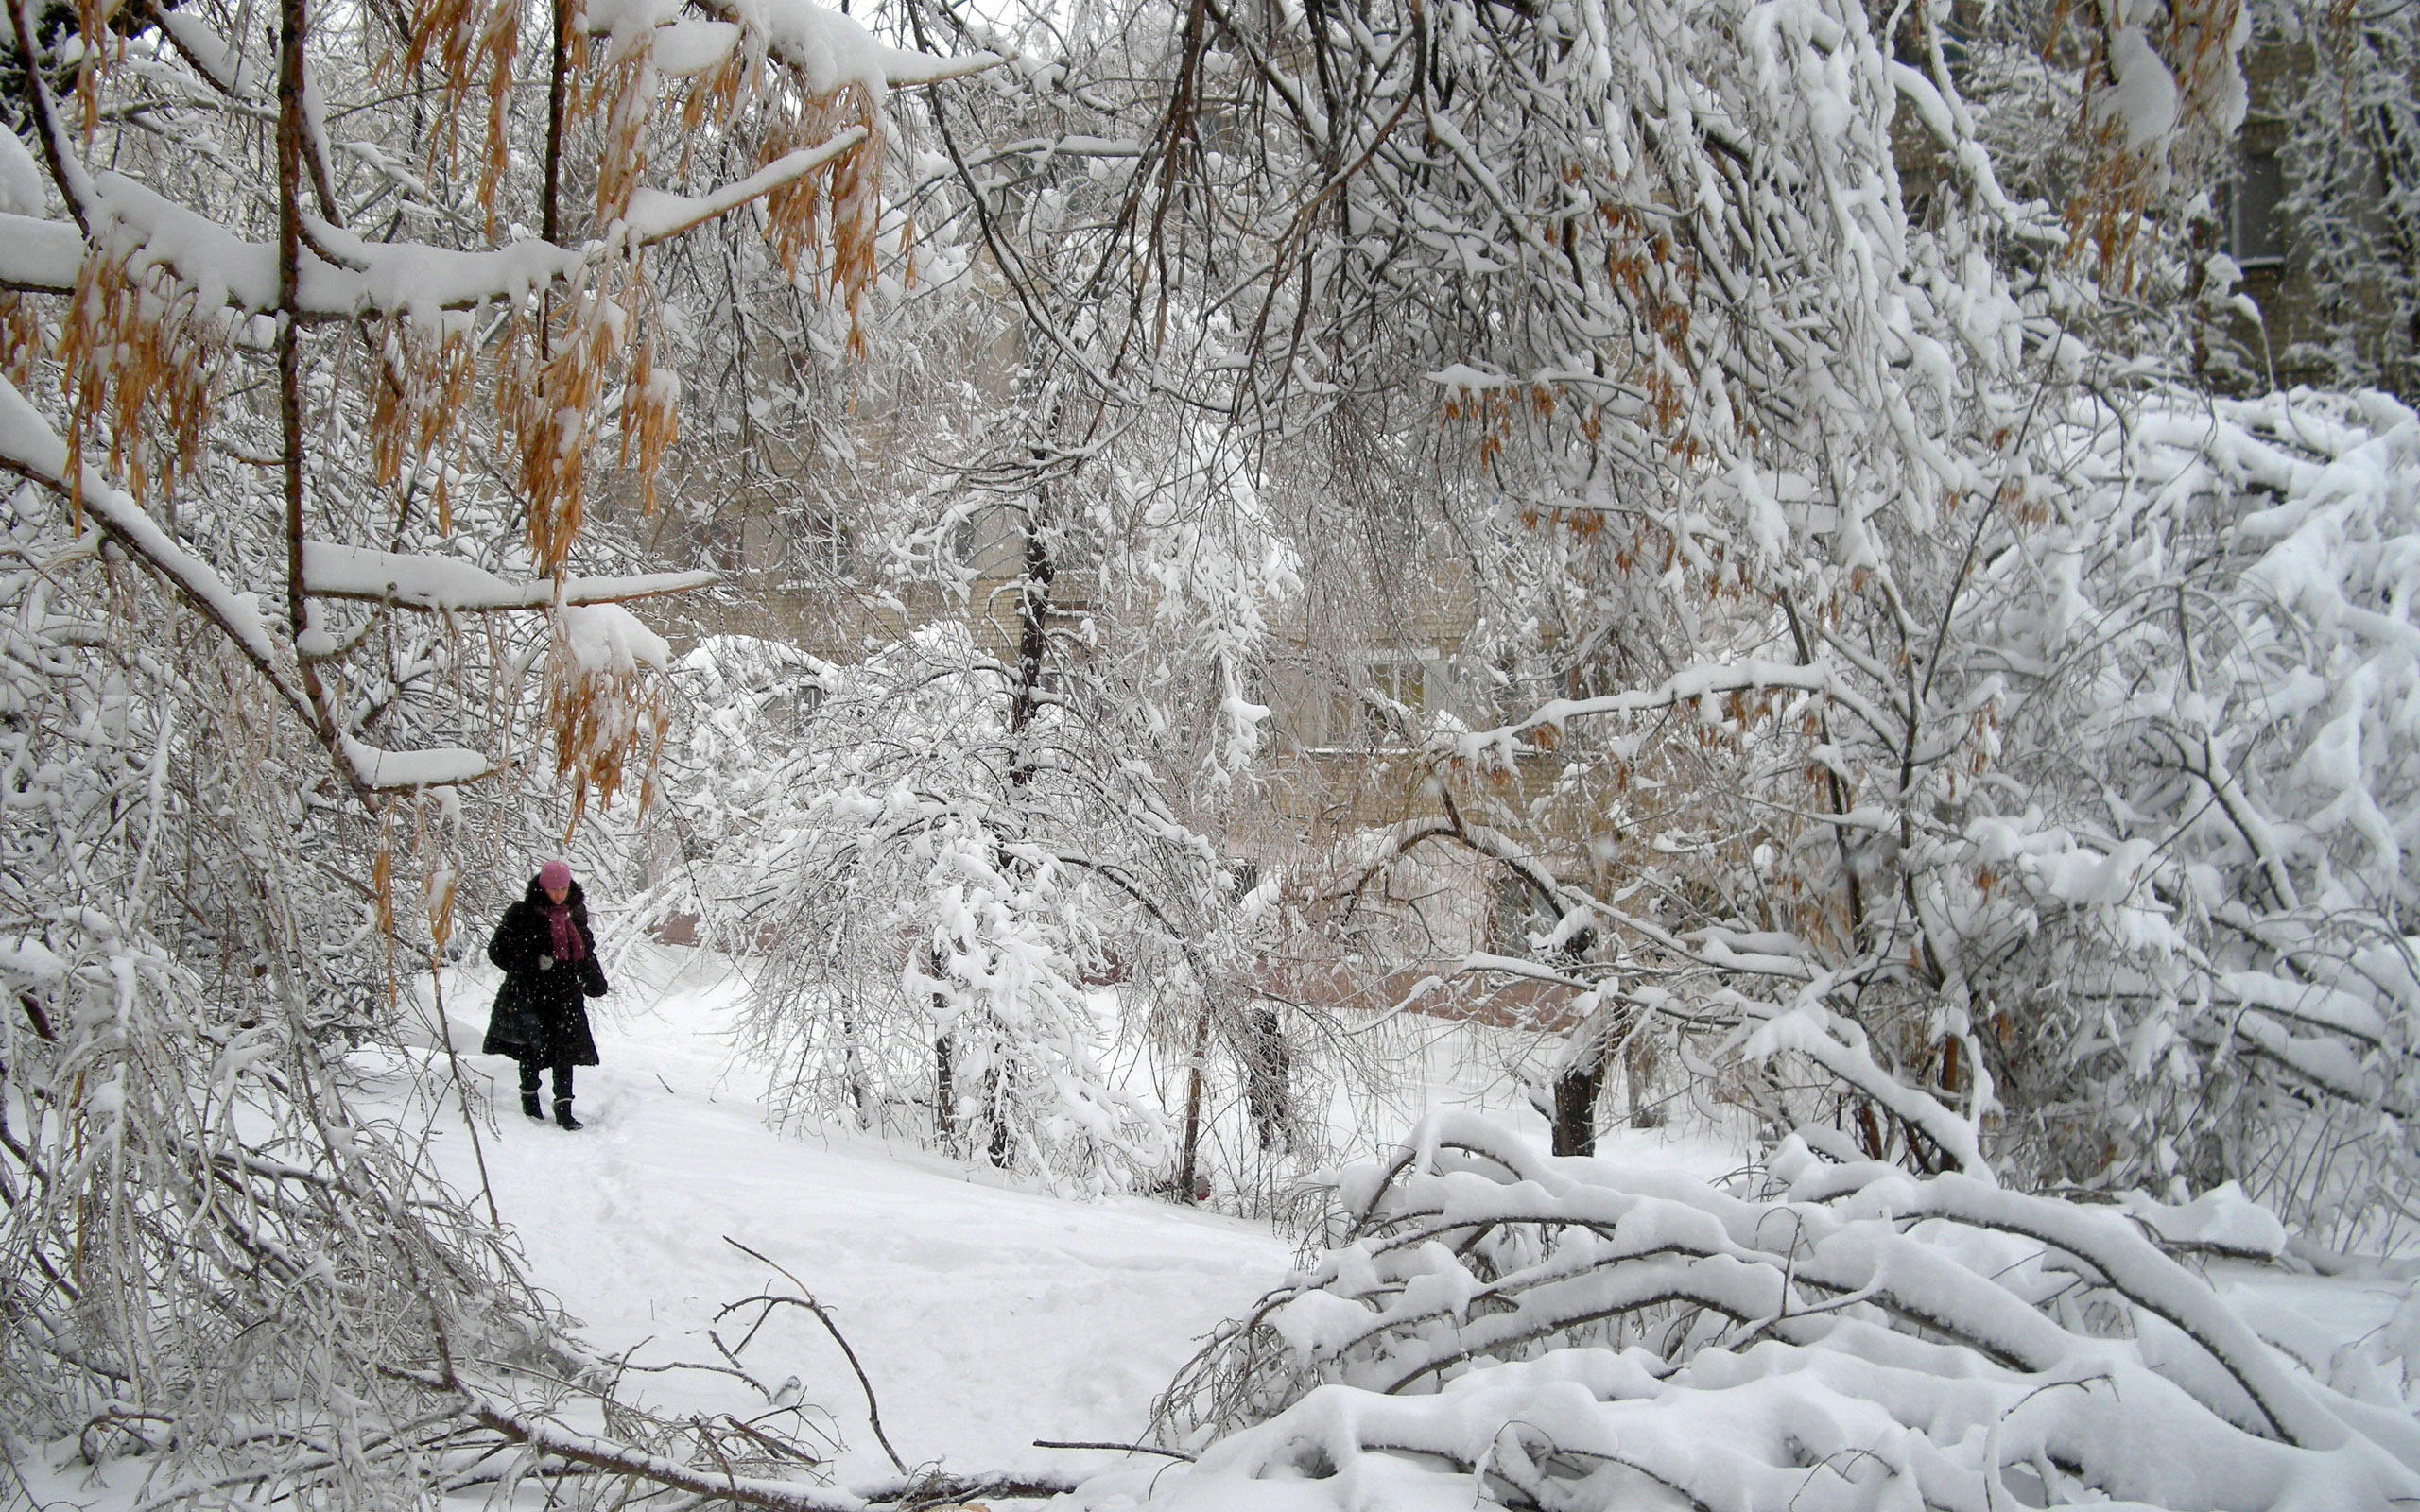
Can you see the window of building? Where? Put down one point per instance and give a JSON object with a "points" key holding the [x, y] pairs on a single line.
{"points": [[820, 545], [792, 710], [1401, 678], [2255, 219], [1515, 913]]}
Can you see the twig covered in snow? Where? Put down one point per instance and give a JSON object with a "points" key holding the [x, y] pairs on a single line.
{"points": [[520, 1426], [823, 1316], [1129, 1448]]}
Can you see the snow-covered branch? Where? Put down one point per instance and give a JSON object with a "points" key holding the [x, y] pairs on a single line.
{"points": [[439, 584], [1749, 1347]]}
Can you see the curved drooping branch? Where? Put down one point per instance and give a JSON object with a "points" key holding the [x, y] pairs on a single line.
{"points": [[1590, 1286]]}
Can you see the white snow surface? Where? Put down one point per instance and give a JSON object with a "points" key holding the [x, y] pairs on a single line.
{"points": [[2145, 98], [987, 1316], [441, 766]]}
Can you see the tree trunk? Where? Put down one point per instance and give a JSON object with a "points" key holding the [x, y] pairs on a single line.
{"points": [[1268, 1076], [995, 1110], [1033, 646], [944, 1094], [1580, 1083], [1575, 1106], [1638, 1071], [1192, 1146], [944, 1068], [859, 1098], [557, 92]]}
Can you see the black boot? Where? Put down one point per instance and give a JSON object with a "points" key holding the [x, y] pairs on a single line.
{"points": [[562, 1114], [529, 1103]]}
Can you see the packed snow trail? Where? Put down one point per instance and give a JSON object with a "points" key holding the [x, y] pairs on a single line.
{"points": [[986, 1316]]}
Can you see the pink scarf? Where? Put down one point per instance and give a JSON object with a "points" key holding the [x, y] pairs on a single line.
{"points": [[563, 936]]}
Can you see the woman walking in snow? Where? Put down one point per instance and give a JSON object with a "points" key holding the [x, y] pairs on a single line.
{"points": [[549, 960]]}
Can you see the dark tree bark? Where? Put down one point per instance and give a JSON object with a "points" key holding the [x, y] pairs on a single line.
{"points": [[1574, 1101], [995, 1109]]}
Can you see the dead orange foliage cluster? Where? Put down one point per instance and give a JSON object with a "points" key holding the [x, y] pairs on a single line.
{"points": [[2129, 183], [473, 46], [837, 207], [141, 367], [424, 380], [608, 723]]}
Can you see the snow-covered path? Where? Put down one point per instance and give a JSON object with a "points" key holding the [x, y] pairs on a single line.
{"points": [[986, 1316]]}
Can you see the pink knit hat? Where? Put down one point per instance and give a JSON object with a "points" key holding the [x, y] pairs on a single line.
{"points": [[554, 874]]}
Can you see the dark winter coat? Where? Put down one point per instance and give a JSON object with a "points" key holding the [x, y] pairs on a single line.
{"points": [[539, 1016]]}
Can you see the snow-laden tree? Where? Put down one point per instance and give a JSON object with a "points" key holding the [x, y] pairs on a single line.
{"points": [[325, 328], [935, 891], [2109, 869], [1905, 648], [958, 852], [2352, 156], [1757, 474], [2190, 896], [1760, 481], [1117, 566]]}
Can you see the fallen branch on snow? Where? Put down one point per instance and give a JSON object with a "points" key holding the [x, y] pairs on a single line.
{"points": [[515, 1424], [1839, 1338]]}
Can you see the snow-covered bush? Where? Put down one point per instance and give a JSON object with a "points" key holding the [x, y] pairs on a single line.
{"points": [[2097, 877], [1496, 1327], [210, 1264], [2185, 888], [935, 899]]}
